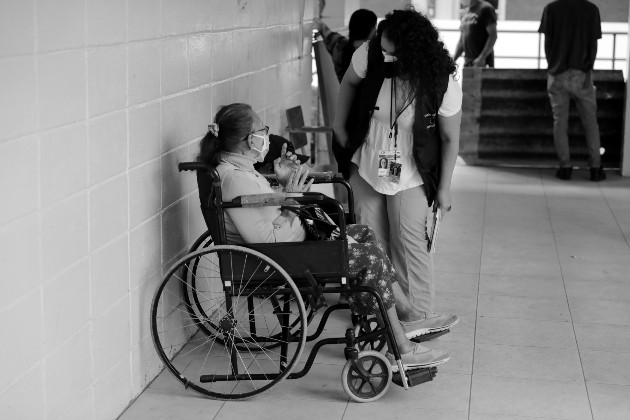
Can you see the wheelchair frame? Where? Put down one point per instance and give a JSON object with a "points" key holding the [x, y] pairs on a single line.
{"points": [[305, 270]]}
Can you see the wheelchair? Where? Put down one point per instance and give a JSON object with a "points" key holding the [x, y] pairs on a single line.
{"points": [[231, 321]]}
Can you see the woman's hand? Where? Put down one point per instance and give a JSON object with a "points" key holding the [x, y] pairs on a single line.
{"points": [[297, 181], [341, 134], [285, 165], [444, 201]]}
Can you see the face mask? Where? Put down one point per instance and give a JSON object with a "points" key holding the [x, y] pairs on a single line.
{"points": [[390, 67], [265, 147]]}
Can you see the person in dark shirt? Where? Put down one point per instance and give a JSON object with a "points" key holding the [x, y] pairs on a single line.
{"points": [[478, 34], [362, 27], [572, 28]]}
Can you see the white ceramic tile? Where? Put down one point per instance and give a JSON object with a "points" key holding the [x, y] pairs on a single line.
{"points": [[64, 234], [173, 183], [108, 146], [19, 247], [200, 59], [144, 72], [66, 305], [108, 211], [381, 409], [144, 134], [174, 59], [82, 408], [175, 17], [143, 19], [60, 179], [221, 95], [241, 58], [145, 192], [201, 12], [257, 90], [613, 338], [223, 16], [600, 311], [528, 286], [140, 299], [68, 373], [174, 129], [109, 275], [221, 47], [174, 230], [18, 83], [106, 22], [107, 79], [61, 80], [17, 27], [145, 253], [200, 112], [269, 410], [145, 366], [606, 367], [516, 307], [525, 332], [113, 391], [240, 89], [19, 181], [274, 86], [24, 399], [111, 337], [60, 24], [22, 323]]}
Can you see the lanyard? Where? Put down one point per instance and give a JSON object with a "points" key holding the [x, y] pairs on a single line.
{"points": [[393, 121]]}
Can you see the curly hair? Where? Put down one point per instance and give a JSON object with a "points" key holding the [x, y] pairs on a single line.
{"points": [[420, 52]]}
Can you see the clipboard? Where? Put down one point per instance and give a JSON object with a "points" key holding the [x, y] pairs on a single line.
{"points": [[437, 215]]}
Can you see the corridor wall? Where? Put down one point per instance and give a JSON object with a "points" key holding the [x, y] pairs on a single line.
{"points": [[100, 99]]}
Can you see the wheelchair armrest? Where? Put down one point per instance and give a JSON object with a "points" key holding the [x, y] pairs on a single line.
{"points": [[318, 177], [306, 129], [274, 199]]}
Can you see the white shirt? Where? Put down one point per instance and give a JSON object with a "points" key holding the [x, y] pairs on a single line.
{"points": [[367, 156]]}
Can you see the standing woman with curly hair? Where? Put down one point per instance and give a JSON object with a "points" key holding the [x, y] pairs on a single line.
{"points": [[399, 101]]}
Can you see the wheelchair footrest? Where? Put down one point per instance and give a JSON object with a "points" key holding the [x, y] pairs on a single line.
{"points": [[415, 376], [429, 336]]}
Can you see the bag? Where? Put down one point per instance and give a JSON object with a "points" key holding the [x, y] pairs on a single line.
{"points": [[318, 225]]}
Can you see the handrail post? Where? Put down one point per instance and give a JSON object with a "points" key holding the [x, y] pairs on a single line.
{"points": [[614, 55], [538, 59]]}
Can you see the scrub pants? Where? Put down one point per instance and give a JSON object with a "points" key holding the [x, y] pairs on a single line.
{"points": [[399, 222]]}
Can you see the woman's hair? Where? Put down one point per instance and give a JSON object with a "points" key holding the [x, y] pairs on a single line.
{"points": [[235, 122], [419, 51], [361, 24]]}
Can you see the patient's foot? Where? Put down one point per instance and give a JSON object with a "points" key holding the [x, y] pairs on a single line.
{"points": [[431, 323], [419, 357]]}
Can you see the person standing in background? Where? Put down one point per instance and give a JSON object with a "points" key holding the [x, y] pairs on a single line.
{"points": [[572, 28], [478, 34], [361, 28]]}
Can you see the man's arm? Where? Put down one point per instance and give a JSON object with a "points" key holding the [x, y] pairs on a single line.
{"points": [[480, 61]]}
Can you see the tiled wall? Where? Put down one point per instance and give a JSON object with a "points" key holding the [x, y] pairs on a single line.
{"points": [[99, 100]]}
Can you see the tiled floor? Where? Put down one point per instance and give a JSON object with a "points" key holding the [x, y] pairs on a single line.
{"points": [[537, 269]]}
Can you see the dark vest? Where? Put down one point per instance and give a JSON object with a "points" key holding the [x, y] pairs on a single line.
{"points": [[426, 134]]}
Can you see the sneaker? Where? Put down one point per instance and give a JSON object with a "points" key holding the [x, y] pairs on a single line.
{"points": [[432, 323], [564, 173], [598, 174], [418, 358]]}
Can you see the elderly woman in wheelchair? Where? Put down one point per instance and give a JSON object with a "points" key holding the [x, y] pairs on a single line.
{"points": [[236, 141]]}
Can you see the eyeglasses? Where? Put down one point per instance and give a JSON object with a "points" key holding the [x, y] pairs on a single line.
{"points": [[265, 130]]}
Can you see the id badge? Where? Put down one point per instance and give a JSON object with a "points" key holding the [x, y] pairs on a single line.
{"points": [[394, 171], [385, 157]]}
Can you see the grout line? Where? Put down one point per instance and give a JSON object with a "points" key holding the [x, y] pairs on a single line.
{"points": [[474, 341], [588, 397]]}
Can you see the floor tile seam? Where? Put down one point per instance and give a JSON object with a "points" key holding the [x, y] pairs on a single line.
{"points": [[531, 346], [478, 275], [508, 294], [580, 381], [520, 417], [588, 397], [627, 238], [528, 319]]}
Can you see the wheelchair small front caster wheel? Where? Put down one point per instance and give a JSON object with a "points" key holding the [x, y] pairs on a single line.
{"points": [[368, 377], [365, 326]]}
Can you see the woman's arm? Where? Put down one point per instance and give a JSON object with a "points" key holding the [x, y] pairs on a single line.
{"points": [[449, 133], [347, 91]]}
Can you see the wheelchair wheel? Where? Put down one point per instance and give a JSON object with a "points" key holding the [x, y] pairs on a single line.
{"points": [[373, 382], [193, 284], [249, 302], [366, 326]]}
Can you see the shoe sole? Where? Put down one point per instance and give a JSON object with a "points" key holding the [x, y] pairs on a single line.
{"points": [[424, 331], [395, 369]]}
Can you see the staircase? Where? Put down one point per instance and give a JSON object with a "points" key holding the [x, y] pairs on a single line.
{"points": [[507, 118]]}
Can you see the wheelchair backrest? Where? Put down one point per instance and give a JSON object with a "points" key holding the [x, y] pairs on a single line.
{"points": [[210, 197]]}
